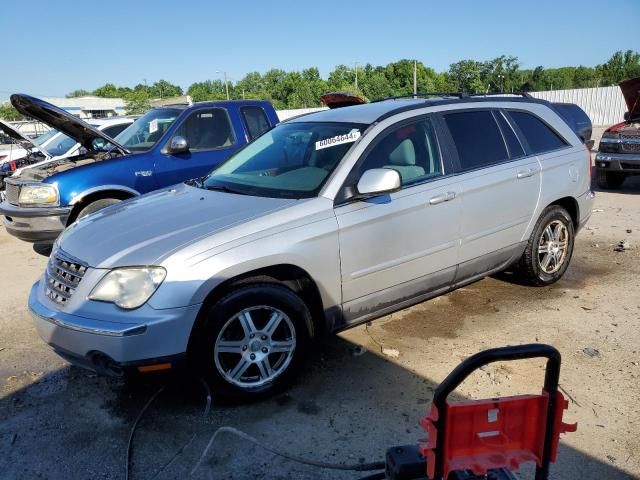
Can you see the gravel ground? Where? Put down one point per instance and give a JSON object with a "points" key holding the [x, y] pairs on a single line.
{"points": [[362, 391]]}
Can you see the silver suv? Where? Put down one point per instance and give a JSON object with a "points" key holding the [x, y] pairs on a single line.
{"points": [[327, 221]]}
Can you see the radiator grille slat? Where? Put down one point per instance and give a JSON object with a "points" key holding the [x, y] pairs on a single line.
{"points": [[63, 275]]}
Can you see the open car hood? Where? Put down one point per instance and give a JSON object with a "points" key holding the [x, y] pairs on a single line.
{"points": [[631, 93], [23, 140], [341, 99], [62, 121]]}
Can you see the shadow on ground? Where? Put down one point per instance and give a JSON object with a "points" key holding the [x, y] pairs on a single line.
{"points": [[347, 407]]}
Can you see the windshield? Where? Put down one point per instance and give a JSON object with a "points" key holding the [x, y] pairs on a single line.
{"points": [[143, 134], [59, 145], [293, 160], [45, 136]]}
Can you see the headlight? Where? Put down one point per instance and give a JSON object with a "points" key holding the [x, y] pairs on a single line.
{"points": [[129, 287], [38, 194]]}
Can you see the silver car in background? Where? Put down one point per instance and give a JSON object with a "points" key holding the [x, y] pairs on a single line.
{"points": [[327, 221]]}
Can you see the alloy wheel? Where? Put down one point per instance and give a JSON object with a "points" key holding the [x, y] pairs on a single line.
{"points": [[552, 247], [255, 346]]}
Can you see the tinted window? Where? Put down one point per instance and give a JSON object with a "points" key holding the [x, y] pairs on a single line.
{"points": [[477, 139], [207, 129], [515, 149], [410, 149], [292, 160], [255, 120], [115, 130], [539, 136]]}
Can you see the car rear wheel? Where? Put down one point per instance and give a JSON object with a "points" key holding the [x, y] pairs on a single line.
{"points": [[609, 180], [97, 205], [549, 249], [253, 340]]}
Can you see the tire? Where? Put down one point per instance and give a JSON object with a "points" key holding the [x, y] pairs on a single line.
{"points": [[610, 180], [231, 351], [539, 268], [97, 205]]}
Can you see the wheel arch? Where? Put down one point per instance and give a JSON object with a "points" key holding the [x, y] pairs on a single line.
{"points": [[570, 204], [85, 198], [288, 275]]}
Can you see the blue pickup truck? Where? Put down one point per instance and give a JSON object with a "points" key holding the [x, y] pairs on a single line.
{"points": [[167, 145]]}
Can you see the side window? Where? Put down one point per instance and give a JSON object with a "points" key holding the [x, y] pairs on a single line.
{"points": [[477, 139], [115, 130], [540, 137], [410, 149], [515, 149], [207, 129], [255, 120]]}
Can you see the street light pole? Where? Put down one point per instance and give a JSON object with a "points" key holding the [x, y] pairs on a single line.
{"points": [[226, 85]]}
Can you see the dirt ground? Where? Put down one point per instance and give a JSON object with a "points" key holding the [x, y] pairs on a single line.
{"points": [[361, 391]]}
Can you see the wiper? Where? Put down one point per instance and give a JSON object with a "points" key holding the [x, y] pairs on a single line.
{"points": [[224, 188]]}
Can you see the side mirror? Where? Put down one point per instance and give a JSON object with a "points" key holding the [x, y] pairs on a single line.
{"points": [[178, 144], [378, 181], [627, 116]]}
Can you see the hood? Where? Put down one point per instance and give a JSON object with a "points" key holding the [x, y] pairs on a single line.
{"points": [[631, 93], [341, 99], [62, 121], [147, 229], [23, 140]]}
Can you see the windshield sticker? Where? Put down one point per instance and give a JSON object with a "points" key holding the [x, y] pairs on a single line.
{"points": [[338, 140], [153, 125]]}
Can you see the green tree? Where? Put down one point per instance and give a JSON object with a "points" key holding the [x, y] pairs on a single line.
{"points": [[466, 76], [164, 89], [9, 113], [78, 93], [207, 90], [621, 66]]}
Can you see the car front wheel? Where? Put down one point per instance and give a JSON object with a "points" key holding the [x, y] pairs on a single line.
{"points": [[253, 340], [549, 249]]}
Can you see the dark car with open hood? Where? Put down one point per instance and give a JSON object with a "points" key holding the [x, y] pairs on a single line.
{"points": [[619, 151], [166, 146]]}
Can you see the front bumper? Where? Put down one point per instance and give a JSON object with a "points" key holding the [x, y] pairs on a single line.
{"points": [[618, 162], [145, 336], [34, 224]]}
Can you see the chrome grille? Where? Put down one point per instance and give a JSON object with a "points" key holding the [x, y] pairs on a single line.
{"points": [[12, 192], [630, 142], [630, 147], [62, 277]]}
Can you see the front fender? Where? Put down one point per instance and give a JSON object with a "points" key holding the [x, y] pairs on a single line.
{"points": [[312, 247], [77, 198]]}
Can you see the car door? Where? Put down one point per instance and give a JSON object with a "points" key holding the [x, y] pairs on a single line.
{"points": [[397, 247], [211, 137], [500, 186]]}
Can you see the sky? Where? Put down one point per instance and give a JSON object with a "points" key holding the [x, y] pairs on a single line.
{"points": [[52, 48]]}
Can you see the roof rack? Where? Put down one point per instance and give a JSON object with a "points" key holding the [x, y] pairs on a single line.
{"points": [[452, 94]]}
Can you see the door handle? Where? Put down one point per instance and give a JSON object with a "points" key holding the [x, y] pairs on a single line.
{"points": [[529, 172], [445, 197]]}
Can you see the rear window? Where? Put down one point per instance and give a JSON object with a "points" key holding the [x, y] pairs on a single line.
{"points": [[540, 137], [255, 120], [477, 138]]}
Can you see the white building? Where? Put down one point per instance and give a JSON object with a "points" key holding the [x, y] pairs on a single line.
{"points": [[90, 107]]}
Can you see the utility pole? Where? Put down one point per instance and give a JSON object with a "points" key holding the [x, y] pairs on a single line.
{"points": [[355, 64], [226, 85], [415, 78]]}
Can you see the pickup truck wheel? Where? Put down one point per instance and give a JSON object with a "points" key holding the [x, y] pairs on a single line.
{"points": [[253, 340], [609, 180], [97, 205], [549, 249]]}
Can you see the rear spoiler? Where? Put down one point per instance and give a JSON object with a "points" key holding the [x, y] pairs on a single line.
{"points": [[577, 119]]}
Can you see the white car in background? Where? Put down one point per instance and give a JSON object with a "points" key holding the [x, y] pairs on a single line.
{"points": [[53, 145]]}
